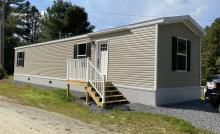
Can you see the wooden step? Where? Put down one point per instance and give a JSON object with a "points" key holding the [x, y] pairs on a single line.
{"points": [[110, 88], [116, 101], [108, 91], [108, 96], [112, 97], [108, 83], [94, 97]]}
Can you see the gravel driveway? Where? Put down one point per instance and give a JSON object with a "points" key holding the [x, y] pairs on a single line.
{"points": [[19, 119], [199, 113]]}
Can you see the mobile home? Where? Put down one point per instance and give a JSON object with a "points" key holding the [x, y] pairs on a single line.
{"points": [[154, 62]]}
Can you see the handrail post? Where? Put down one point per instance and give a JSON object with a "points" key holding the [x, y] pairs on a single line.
{"points": [[103, 96], [87, 69]]}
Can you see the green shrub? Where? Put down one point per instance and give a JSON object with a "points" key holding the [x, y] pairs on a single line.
{"points": [[2, 73]]}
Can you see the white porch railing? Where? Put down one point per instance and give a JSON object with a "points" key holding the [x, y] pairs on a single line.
{"points": [[84, 70], [77, 69]]}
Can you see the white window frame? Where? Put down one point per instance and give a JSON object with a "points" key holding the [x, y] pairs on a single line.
{"points": [[181, 54], [19, 59], [78, 51]]}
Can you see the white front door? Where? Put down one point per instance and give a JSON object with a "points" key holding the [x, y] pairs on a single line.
{"points": [[102, 58]]}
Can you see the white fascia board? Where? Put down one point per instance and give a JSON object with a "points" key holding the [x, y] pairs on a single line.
{"points": [[108, 31], [54, 41], [146, 23], [197, 25], [126, 28]]}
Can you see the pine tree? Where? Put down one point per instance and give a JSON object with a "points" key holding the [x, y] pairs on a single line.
{"points": [[66, 18], [15, 31], [210, 49], [28, 22]]}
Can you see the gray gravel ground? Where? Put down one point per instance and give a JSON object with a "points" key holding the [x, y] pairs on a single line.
{"points": [[199, 113]]}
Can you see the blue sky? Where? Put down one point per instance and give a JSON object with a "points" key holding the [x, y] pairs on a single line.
{"points": [[111, 13]]}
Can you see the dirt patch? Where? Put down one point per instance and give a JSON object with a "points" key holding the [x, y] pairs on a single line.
{"points": [[16, 118]]}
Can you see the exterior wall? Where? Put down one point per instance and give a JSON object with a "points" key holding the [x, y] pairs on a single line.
{"points": [[131, 63], [172, 86], [44, 81], [178, 94], [47, 60], [138, 95], [132, 57]]}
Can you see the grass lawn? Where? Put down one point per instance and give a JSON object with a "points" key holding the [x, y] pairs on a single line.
{"points": [[119, 121]]}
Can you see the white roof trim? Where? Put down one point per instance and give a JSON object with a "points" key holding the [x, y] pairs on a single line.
{"points": [[164, 20], [54, 41], [108, 31]]}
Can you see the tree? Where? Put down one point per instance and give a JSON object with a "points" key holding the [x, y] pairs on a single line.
{"points": [[76, 21], [210, 49], [14, 31], [66, 18], [28, 22], [10, 41]]}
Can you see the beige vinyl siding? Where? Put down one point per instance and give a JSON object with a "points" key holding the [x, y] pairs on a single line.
{"points": [[93, 54], [166, 77], [132, 57], [49, 60]]}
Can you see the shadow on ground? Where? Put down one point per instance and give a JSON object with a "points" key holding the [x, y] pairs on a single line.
{"points": [[197, 105]]}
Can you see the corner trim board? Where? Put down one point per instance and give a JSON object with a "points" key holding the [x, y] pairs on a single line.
{"points": [[156, 56]]}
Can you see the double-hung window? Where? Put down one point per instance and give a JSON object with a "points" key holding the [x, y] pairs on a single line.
{"points": [[82, 50], [20, 59], [181, 53]]}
